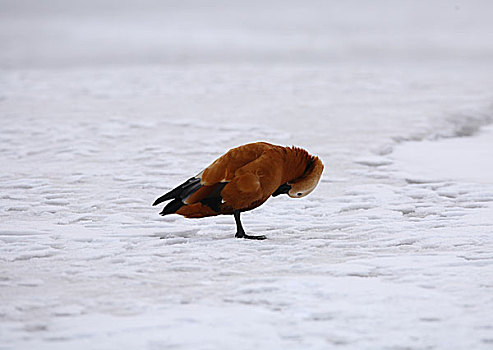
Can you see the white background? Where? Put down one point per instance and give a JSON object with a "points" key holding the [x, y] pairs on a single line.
{"points": [[106, 105]]}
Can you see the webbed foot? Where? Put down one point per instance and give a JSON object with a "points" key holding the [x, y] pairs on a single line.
{"points": [[240, 232], [244, 235]]}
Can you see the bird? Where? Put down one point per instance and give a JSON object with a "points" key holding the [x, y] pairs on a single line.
{"points": [[243, 179]]}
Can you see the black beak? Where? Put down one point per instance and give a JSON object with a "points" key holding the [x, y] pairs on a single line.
{"points": [[284, 188]]}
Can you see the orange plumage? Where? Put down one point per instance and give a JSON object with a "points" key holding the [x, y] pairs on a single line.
{"points": [[242, 179]]}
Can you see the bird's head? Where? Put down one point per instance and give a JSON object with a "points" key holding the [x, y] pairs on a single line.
{"points": [[305, 184]]}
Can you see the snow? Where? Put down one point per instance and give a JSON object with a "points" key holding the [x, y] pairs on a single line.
{"points": [[467, 159], [105, 105]]}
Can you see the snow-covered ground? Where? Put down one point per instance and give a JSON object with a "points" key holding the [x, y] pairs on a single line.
{"points": [[105, 105]]}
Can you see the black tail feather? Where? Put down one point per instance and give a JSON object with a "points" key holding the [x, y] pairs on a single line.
{"points": [[190, 189], [181, 192], [214, 199], [172, 207]]}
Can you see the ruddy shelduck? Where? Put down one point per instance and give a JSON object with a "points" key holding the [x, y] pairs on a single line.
{"points": [[243, 179]]}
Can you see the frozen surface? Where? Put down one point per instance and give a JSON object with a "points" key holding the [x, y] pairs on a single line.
{"points": [[105, 105], [468, 159]]}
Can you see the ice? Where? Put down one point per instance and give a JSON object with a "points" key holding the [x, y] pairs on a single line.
{"points": [[464, 159], [105, 105]]}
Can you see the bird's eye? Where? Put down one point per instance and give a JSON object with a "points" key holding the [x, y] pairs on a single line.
{"points": [[299, 194]]}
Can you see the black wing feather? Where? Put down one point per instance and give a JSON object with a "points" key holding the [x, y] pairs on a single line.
{"points": [[181, 192]]}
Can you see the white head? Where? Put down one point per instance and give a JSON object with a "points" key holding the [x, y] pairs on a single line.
{"points": [[308, 181]]}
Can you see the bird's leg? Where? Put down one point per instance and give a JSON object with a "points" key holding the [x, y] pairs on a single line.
{"points": [[240, 232]]}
